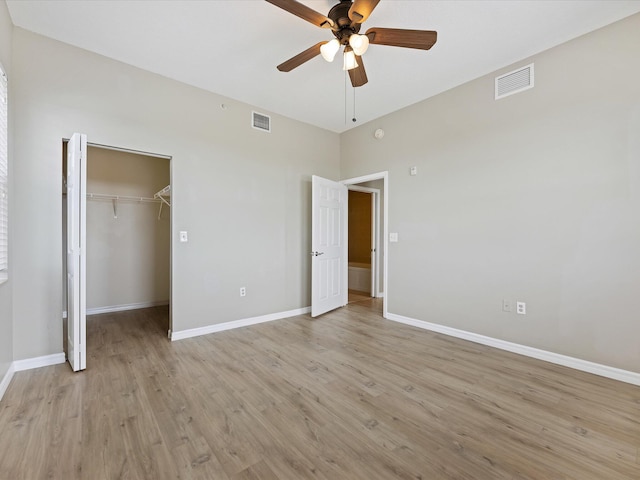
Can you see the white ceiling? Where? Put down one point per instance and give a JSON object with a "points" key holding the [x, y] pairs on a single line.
{"points": [[232, 47]]}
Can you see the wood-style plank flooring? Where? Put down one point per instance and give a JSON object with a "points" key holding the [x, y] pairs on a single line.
{"points": [[345, 396]]}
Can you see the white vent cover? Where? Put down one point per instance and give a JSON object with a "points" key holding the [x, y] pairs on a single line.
{"points": [[514, 82], [260, 121]]}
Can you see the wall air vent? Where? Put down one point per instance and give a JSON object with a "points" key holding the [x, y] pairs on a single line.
{"points": [[260, 121], [514, 82]]}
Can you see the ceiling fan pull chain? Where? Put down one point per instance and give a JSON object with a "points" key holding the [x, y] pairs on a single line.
{"points": [[354, 105], [345, 97]]}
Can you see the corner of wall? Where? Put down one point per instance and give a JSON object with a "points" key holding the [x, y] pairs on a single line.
{"points": [[6, 380]]}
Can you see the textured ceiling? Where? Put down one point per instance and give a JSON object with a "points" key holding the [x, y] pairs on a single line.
{"points": [[232, 47]]}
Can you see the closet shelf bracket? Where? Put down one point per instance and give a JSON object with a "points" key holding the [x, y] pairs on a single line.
{"points": [[164, 196]]}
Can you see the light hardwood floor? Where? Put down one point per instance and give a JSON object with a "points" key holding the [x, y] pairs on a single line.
{"points": [[345, 396]]}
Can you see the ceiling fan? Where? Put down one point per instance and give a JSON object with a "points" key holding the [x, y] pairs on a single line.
{"points": [[345, 19]]}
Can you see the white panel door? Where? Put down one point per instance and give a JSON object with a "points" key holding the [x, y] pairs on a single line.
{"points": [[76, 252], [328, 245]]}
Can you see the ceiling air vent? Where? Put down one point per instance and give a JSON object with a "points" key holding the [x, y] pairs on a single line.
{"points": [[261, 122], [514, 82]]}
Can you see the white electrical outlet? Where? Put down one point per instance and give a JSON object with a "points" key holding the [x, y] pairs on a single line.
{"points": [[243, 291], [506, 306], [184, 236], [521, 308]]}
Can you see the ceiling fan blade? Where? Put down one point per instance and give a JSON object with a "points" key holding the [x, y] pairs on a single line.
{"points": [[397, 37], [361, 9], [358, 75], [304, 12], [302, 57]]}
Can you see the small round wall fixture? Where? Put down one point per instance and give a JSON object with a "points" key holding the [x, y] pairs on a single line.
{"points": [[379, 133]]}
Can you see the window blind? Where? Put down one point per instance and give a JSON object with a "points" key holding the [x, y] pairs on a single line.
{"points": [[4, 178]]}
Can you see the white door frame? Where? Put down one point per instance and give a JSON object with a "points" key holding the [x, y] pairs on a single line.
{"points": [[375, 235], [384, 176]]}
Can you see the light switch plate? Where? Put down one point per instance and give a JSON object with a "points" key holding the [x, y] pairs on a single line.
{"points": [[393, 237], [183, 236]]}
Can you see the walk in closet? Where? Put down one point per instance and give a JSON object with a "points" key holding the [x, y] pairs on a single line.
{"points": [[127, 230]]}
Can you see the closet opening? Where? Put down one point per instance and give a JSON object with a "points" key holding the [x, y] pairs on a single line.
{"points": [[128, 234]]}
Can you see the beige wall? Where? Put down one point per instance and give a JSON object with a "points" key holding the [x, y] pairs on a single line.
{"points": [[128, 256], [243, 195], [535, 197], [6, 317]]}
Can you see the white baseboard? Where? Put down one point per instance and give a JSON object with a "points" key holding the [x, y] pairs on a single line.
{"points": [[6, 380], [380, 295], [129, 306], [122, 308], [564, 360], [37, 362], [245, 322], [28, 364]]}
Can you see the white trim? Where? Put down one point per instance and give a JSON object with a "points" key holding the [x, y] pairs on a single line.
{"points": [[380, 295], [559, 359], [365, 178], [122, 308], [37, 362], [358, 188], [6, 380], [127, 150], [245, 322]]}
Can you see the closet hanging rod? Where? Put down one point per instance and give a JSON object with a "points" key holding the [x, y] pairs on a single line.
{"points": [[125, 198]]}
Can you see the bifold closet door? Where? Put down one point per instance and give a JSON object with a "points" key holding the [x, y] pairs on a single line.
{"points": [[76, 251]]}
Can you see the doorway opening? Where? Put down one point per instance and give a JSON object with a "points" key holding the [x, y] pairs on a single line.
{"points": [[128, 232], [374, 187], [364, 238]]}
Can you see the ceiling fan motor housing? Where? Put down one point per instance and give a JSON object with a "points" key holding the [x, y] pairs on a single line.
{"points": [[344, 28]]}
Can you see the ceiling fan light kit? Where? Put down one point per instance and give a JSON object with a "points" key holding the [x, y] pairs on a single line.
{"points": [[345, 20], [359, 43], [329, 50], [349, 59]]}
